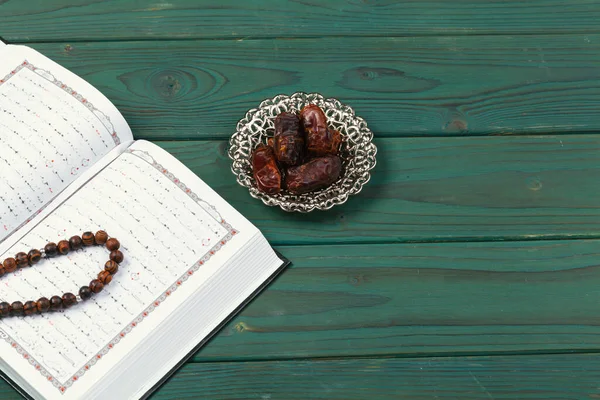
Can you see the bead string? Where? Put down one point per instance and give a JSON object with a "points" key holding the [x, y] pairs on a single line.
{"points": [[23, 260]]}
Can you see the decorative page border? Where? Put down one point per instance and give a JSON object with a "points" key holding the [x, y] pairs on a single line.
{"points": [[103, 118], [63, 386]]}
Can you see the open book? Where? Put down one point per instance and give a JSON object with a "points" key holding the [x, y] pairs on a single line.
{"points": [[69, 164]]}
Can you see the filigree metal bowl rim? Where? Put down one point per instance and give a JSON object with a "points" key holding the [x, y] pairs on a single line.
{"points": [[361, 174]]}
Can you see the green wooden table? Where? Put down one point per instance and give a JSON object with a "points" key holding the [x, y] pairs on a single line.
{"points": [[468, 268]]}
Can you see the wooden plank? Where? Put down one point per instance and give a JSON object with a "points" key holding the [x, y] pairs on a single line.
{"points": [[486, 188], [560, 376], [130, 19], [523, 377], [508, 377], [422, 300], [428, 86], [8, 393], [543, 377]]}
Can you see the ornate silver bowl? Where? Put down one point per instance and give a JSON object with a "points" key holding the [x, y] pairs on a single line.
{"points": [[357, 151]]}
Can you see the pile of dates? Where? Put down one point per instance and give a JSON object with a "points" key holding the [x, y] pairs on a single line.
{"points": [[302, 156]]}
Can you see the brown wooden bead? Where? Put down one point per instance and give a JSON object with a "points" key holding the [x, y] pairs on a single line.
{"points": [[22, 260], [43, 304], [76, 243], [50, 249], [10, 264], [4, 309], [111, 267], [29, 307], [34, 256], [105, 277], [88, 239], [85, 292], [96, 286], [63, 247], [16, 308], [55, 303], [116, 256], [2, 270], [69, 299], [113, 244], [101, 237]]}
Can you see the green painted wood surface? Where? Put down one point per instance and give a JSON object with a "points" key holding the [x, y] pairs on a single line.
{"points": [[537, 377], [422, 299], [532, 377], [438, 81], [540, 377], [427, 86], [424, 189], [129, 19]]}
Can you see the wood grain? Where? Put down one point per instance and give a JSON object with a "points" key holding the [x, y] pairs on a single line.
{"points": [[541, 377], [427, 86], [184, 19], [369, 315], [507, 377], [423, 189], [422, 299], [533, 377]]}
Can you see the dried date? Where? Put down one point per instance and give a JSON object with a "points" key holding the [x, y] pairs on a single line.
{"points": [[288, 141], [320, 140], [265, 170], [316, 174]]}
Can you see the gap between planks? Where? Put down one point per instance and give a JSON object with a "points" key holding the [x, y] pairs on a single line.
{"points": [[465, 239], [399, 356]]}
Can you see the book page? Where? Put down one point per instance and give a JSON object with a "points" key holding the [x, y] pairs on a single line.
{"points": [[54, 126], [174, 230]]}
